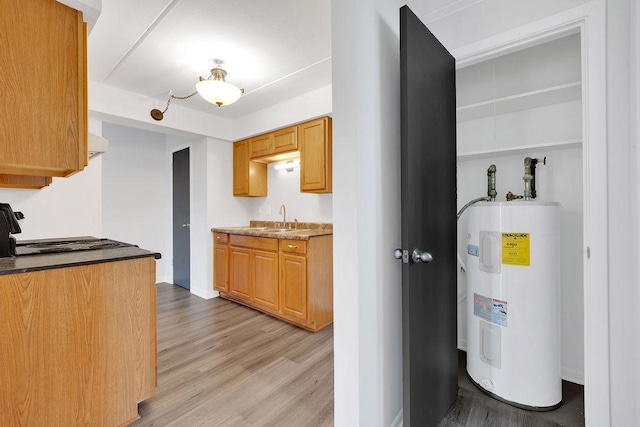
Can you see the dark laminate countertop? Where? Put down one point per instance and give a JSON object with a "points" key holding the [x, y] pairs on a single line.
{"points": [[295, 231], [28, 263]]}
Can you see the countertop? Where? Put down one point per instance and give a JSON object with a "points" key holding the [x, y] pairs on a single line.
{"points": [[28, 263], [294, 231]]}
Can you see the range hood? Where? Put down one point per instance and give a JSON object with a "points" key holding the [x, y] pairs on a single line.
{"points": [[97, 145]]}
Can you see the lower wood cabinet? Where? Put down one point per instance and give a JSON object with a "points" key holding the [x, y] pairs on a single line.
{"points": [[293, 293], [221, 262], [253, 270], [287, 278], [78, 344], [265, 279], [239, 273]]}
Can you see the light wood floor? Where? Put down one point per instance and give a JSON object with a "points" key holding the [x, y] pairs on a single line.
{"points": [[222, 364]]}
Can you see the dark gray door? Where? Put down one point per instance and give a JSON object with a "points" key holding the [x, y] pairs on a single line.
{"points": [[428, 132], [181, 219]]}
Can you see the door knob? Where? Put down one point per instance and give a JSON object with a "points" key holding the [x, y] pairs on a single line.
{"points": [[417, 255], [186, 225]]}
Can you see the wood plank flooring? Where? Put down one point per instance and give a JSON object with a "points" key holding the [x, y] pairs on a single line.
{"points": [[222, 364], [473, 408]]}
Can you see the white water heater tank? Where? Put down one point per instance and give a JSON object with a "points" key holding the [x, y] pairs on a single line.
{"points": [[513, 302]]}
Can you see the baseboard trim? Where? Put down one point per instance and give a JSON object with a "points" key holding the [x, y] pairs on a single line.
{"points": [[572, 375], [208, 294]]}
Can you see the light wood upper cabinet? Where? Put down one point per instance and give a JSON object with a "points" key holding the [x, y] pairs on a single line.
{"points": [[260, 146], [43, 113], [311, 141], [277, 142], [314, 139], [249, 177], [285, 140]]}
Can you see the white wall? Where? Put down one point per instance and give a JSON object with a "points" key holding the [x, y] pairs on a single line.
{"points": [[68, 207], [305, 107], [223, 209], [135, 196], [284, 188], [623, 24], [366, 200]]}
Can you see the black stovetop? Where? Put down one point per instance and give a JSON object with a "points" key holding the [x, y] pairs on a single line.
{"points": [[52, 246]]}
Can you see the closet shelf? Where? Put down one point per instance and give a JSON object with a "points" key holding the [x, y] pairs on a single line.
{"points": [[523, 101], [523, 149]]}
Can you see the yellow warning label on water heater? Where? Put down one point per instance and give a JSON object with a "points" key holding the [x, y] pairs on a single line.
{"points": [[515, 249]]}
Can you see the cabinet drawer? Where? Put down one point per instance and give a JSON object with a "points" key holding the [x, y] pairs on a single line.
{"points": [[293, 246], [264, 243], [221, 238]]}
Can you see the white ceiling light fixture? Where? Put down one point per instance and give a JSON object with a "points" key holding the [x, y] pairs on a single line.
{"points": [[216, 90], [213, 89]]}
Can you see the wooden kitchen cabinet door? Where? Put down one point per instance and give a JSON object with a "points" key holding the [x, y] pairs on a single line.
{"points": [[43, 125], [314, 139], [240, 272], [249, 178], [293, 291], [260, 146], [265, 279], [220, 267], [285, 140]]}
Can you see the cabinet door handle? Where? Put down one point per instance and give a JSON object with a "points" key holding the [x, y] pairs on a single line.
{"points": [[293, 246]]}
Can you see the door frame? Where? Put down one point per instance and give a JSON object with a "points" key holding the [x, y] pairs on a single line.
{"points": [[590, 21], [169, 231]]}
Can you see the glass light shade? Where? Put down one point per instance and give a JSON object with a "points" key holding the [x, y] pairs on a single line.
{"points": [[288, 165], [218, 92]]}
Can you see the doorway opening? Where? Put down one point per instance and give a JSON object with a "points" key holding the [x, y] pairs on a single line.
{"points": [[529, 103]]}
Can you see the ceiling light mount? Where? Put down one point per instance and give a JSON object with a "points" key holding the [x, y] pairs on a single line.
{"points": [[213, 89]]}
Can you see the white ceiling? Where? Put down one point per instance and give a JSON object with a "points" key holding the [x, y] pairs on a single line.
{"points": [[274, 49]]}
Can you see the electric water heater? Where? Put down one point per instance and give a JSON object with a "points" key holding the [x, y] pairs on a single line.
{"points": [[513, 302]]}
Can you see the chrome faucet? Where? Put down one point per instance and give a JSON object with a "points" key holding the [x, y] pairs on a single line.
{"points": [[283, 211]]}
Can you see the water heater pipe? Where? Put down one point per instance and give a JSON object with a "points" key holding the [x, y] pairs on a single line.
{"points": [[491, 183]]}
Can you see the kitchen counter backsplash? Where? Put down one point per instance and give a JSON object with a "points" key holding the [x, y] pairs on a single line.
{"points": [[320, 226]]}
